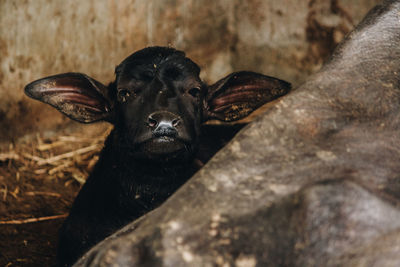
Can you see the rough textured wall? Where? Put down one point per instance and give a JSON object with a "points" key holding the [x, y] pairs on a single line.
{"points": [[284, 38]]}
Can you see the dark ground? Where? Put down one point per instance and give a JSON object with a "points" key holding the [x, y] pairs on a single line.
{"points": [[30, 189]]}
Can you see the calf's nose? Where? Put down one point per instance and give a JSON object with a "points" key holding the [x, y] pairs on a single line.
{"points": [[163, 123]]}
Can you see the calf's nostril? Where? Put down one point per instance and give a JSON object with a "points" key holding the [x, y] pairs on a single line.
{"points": [[152, 122], [175, 122]]}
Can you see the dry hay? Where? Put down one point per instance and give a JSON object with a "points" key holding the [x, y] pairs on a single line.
{"points": [[62, 159], [39, 178]]}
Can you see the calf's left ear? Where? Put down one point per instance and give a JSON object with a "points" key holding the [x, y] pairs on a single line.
{"points": [[240, 93], [76, 95]]}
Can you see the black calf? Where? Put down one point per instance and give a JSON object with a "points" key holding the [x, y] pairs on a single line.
{"points": [[157, 104]]}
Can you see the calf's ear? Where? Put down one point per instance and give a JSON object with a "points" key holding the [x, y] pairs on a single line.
{"points": [[237, 95], [74, 94]]}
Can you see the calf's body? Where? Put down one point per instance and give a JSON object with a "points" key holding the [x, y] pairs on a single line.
{"points": [[119, 190], [157, 105]]}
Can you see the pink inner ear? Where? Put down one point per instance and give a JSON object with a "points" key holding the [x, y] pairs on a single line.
{"points": [[88, 99], [74, 94], [82, 100], [237, 95], [240, 94]]}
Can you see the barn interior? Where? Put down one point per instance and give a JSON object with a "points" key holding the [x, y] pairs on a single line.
{"points": [[45, 157]]}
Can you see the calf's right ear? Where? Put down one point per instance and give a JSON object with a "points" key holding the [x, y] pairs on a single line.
{"points": [[240, 93], [74, 94]]}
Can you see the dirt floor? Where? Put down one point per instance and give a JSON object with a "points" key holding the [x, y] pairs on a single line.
{"points": [[39, 178]]}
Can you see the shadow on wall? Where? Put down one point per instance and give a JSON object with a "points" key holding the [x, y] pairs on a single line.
{"points": [[287, 39]]}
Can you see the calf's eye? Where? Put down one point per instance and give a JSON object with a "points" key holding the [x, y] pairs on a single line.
{"points": [[195, 91], [123, 95]]}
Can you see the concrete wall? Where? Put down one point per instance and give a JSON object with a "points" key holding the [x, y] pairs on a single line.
{"points": [[284, 38]]}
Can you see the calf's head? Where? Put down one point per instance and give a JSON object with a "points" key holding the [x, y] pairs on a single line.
{"points": [[157, 102]]}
